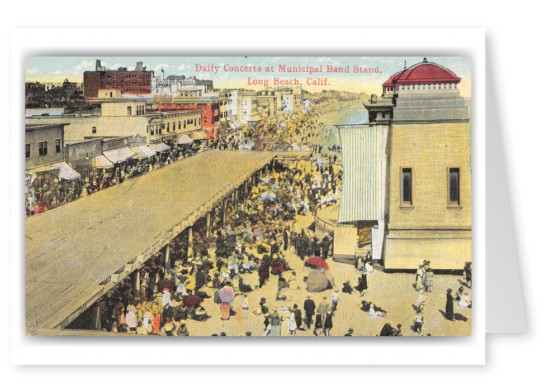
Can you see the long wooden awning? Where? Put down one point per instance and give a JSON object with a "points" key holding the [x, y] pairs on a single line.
{"points": [[77, 252]]}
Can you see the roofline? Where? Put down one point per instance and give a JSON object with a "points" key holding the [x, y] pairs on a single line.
{"points": [[398, 74], [44, 126]]}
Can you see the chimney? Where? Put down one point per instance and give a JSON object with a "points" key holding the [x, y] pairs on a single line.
{"points": [[98, 65]]}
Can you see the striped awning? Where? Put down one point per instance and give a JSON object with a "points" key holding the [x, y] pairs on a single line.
{"points": [[142, 152], [363, 183], [119, 155], [64, 171], [160, 147], [199, 136], [102, 162], [184, 140]]}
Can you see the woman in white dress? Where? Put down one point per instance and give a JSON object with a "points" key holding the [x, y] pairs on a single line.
{"points": [[292, 324], [464, 301], [374, 314]]}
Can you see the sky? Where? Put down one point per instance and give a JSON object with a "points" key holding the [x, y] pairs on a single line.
{"points": [[56, 69]]}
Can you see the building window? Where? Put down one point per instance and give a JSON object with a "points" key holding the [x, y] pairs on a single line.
{"points": [[27, 151], [453, 186], [129, 110], [94, 130], [406, 196], [42, 148], [57, 145]]}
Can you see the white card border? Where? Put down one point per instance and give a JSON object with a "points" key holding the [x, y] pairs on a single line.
{"points": [[257, 351]]}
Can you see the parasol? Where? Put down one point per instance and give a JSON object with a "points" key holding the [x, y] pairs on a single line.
{"points": [[317, 262], [169, 284], [192, 301], [317, 281], [267, 196], [226, 294]]}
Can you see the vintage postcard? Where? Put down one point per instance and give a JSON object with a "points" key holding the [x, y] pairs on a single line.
{"points": [[248, 196]]}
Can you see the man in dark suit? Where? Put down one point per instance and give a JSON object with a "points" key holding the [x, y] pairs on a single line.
{"points": [[298, 316], [309, 311], [325, 245]]}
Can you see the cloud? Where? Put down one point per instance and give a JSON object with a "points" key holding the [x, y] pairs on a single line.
{"points": [[158, 67], [113, 66], [58, 72], [183, 67], [84, 65], [201, 75], [322, 59], [31, 71]]}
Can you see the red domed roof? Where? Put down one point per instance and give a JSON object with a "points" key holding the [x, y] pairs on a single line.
{"points": [[422, 73]]}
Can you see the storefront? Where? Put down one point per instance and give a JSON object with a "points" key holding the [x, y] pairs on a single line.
{"points": [[142, 159], [201, 140]]}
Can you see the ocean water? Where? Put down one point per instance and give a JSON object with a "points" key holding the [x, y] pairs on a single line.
{"points": [[348, 114]]}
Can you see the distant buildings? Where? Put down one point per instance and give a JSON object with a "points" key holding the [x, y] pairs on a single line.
{"points": [[269, 103], [124, 118], [43, 144], [45, 156], [53, 94], [174, 84], [123, 103], [248, 106], [306, 105], [136, 82]]}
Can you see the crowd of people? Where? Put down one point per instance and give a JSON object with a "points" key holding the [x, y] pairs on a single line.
{"points": [[251, 242], [252, 239], [245, 251], [42, 195]]}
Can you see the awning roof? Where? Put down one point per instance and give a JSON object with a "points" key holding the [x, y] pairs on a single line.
{"points": [[199, 136], [65, 172], [160, 147], [102, 162], [363, 184], [184, 140], [119, 155], [142, 152], [56, 240], [29, 179]]}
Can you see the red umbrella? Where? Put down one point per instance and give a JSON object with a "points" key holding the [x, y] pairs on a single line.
{"points": [[226, 294], [192, 301], [317, 262]]}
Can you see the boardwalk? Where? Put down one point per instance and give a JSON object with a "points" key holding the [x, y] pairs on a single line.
{"points": [[71, 251]]}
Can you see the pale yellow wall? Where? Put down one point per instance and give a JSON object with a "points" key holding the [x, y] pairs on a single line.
{"points": [[430, 149], [444, 254], [120, 109], [109, 93], [171, 119], [81, 127]]}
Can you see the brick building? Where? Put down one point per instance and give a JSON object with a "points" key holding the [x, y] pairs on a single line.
{"points": [[209, 105], [136, 82]]}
